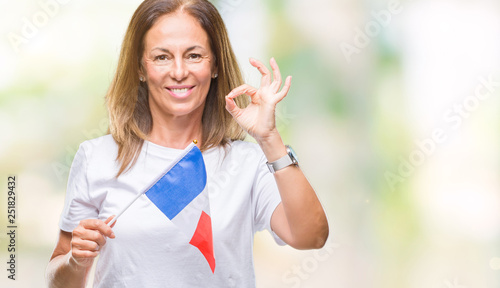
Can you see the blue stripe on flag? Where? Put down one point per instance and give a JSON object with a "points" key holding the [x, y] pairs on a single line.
{"points": [[180, 185]]}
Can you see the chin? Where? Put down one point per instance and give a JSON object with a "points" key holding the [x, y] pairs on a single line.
{"points": [[186, 109]]}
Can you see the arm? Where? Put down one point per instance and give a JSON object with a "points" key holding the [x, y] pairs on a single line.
{"points": [[299, 220], [74, 253]]}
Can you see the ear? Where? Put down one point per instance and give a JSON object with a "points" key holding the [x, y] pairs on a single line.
{"points": [[215, 69], [142, 75], [215, 72]]}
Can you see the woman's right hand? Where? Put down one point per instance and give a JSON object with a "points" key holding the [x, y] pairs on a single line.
{"points": [[88, 238]]}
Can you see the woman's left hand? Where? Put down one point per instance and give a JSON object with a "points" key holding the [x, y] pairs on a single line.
{"points": [[258, 118]]}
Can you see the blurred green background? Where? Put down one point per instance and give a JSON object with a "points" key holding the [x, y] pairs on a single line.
{"points": [[394, 113]]}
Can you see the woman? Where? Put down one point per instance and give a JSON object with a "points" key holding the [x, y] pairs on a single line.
{"points": [[177, 80]]}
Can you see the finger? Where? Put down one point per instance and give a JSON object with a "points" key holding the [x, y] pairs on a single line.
{"points": [[82, 234], [276, 74], [78, 253], [242, 89], [99, 225], [266, 75], [85, 245], [82, 254], [232, 108], [286, 88], [84, 251], [110, 218]]}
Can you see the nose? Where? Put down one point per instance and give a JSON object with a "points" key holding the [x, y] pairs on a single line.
{"points": [[179, 70]]}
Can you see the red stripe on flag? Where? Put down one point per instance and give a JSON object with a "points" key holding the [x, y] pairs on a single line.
{"points": [[202, 239]]}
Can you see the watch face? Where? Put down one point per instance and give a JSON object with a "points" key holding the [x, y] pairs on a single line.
{"points": [[292, 154]]}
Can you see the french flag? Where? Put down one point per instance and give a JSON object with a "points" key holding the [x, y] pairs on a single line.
{"points": [[182, 196]]}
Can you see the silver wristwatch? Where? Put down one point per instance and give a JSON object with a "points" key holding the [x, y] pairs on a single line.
{"points": [[289, 159]]}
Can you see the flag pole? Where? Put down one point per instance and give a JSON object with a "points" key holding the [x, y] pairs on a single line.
{"points": [[140, 194], [123, 210]]}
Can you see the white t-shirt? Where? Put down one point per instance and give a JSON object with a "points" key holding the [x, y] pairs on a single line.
{"points": [[149, 251]]}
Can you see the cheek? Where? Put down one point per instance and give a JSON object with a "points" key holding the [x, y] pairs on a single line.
{"points": [[156, 73], [202, 73]]}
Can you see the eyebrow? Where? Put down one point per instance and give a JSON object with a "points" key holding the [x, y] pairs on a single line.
{"points": [[168, 51]]}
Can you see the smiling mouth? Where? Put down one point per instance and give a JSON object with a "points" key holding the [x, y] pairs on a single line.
{"points": [[180, 92]]}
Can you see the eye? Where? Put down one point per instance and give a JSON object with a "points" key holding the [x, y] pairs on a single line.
{"points": [[194, 57], [161, 57]]}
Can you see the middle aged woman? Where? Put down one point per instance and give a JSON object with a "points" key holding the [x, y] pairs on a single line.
{"points": [[178, 80]]}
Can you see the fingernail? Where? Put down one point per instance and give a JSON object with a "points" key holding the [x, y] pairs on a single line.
{"points": [[112, 235]]}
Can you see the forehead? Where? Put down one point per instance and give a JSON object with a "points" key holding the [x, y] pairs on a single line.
{"points": [[176, 30]]}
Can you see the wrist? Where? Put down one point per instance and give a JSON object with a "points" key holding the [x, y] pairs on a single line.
{"points": [[76, 265], [272, 146]]}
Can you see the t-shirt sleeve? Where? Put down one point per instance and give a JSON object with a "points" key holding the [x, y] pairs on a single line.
{"points": [[266, 198], [77, 204]]}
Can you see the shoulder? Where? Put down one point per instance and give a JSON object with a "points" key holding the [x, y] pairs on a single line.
{"points": [[247, 156], [99, 155], [245, 149], [102, 142], [242, 154], [103, 146]]}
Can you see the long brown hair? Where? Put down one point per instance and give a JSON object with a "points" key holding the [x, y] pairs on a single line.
{"points": [[127, 98]]}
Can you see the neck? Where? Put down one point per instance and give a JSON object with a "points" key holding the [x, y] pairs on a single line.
{"points": [[176, 131]]}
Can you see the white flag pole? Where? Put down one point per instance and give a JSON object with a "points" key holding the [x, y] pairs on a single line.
{"points": [[126, 207], [186, 150]]}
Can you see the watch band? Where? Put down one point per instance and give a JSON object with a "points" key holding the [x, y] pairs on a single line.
{"points": [[279, 164], [285, 161]]}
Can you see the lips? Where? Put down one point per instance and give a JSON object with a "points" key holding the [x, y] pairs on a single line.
{"points": [[180, 91]]}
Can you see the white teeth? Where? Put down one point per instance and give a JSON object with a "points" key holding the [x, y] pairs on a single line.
{"points": [[180, 91]]}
